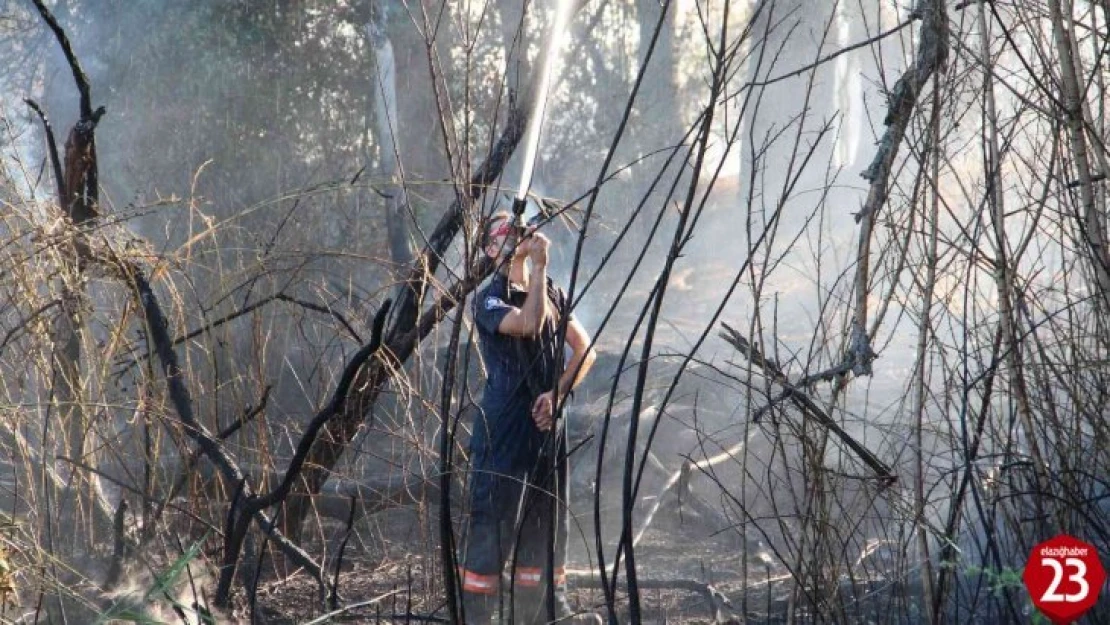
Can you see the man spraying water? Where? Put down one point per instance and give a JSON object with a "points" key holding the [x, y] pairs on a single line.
{"points": [[518, 479]]}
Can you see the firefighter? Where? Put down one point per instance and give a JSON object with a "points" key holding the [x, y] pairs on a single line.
{"points": [[518, 472]]}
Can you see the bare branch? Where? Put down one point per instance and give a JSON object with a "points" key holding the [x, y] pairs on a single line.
{"points": [[807, 405], [338, 399], [932, 56], [79, 76], [832, 56], [51, 148]]}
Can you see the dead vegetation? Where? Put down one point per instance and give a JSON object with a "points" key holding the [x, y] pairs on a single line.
{"points": [[252, 405]]}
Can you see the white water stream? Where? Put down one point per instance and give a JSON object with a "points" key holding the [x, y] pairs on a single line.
{"points": [[535, 124]]}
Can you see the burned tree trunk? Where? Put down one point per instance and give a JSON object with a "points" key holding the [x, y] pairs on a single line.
{"points": [[79, 204], [78, 197], [397, 213]]}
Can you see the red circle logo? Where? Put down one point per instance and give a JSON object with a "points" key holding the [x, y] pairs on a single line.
{"points": [[1064, 577]]}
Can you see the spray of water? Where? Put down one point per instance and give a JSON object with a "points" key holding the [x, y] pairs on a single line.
{"points": [[532, 139]]}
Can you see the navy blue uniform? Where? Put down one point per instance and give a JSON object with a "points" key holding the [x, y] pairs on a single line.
{"points": [[518, 473]]}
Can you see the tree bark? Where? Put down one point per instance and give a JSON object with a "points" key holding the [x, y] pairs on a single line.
{"points": [[79, 201], [397, 213]]}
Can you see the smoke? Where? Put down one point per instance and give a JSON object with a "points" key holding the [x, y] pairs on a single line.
{"points": [[169, 598], [243, 149], [849, 90]]}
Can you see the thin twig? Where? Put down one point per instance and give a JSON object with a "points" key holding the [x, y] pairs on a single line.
{"points": [[829, 57], [338, 399], [246, 310], [333, 599]]}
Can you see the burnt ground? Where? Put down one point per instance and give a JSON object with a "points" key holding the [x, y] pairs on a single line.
{"points": [[680, 566], [393, 556]]}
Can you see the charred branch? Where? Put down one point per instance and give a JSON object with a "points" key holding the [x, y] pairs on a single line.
{"points": [[248, 415], [79, 180], [119, 546], [182, 402], [81, 175], [23, 326], [51, 148], [1074, 184], [804, 403], [126, 364], [189, 465], [79, 76], [352, 514], [334, 407], [427, 263], [932, 56]]}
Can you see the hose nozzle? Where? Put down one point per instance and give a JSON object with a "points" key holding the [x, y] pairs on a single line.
{"points": [[519, 206]]}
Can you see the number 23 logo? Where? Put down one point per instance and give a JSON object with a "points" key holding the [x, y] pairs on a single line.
{"points": [[1079, 577]]}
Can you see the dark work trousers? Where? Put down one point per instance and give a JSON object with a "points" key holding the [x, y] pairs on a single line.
{"points": [[513, 513]]}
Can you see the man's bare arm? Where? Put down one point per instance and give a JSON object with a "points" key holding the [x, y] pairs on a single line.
{"points": [[528, 319], [581, 359]]}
